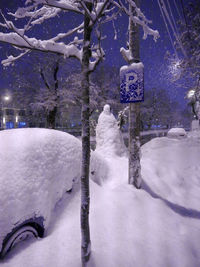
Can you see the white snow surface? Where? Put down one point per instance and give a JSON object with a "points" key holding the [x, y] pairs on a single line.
{"points": [[37, 166], [177, 133], [195, 125], [136, 66], [158, 225]]}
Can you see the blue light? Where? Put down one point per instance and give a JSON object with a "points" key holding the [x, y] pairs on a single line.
{"points": [[22, 124], [9, 125]]}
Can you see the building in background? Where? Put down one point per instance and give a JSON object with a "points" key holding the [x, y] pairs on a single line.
{"points": [[12, 118]]}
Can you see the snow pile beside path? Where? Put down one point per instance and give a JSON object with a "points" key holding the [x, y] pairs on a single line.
{"points": [[99, 168], [109, 140], [171, 170], [129, 227]]}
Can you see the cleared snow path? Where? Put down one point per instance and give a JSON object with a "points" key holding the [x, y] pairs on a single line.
{"points": [[136, 228]]}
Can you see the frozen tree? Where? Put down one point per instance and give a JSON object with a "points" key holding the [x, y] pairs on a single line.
{"points": [[106, 79], [189, 27], [188, 43], [38, 84], [190, 38], [158, 109], [78, 43], [72, 88]]}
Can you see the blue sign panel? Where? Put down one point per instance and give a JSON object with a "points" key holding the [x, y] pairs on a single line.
{"points": [[132, 83]]}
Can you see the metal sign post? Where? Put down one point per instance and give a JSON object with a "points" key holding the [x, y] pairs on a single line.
{"points": [[132, 92]]}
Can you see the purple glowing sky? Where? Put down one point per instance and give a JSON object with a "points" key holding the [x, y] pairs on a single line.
{"points": [[152, 54]]}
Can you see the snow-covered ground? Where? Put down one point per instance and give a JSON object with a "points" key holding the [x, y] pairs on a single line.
{"points": [[37, 167], [158, 225]]}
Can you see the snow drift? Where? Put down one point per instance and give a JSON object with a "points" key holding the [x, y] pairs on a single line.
{"points": [[37, 167], [155, 226]]}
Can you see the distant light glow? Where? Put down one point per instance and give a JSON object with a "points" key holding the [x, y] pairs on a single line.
{"points": [[6, 98], [16, 118], [4, 120]]}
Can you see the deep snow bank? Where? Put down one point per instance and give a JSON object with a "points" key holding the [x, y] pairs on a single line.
{"points": [[37, 167], [171, 169], [130, 227]]}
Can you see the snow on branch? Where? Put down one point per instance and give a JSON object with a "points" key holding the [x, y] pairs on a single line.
{"points": [[99, 10], [98, 55], [3, 25], [147, 30], [63, 35], [64, 5], [50, 9], [139, 18], [11, 59], [139, 12], [97, 51], [41, 45], [45, 13], [39, 11]]}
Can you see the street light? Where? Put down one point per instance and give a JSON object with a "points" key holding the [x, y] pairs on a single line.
{"points": [[5, 98]]}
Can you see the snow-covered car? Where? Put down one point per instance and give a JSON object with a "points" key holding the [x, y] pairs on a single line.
{"points": [[37, 167], [176, 133]]}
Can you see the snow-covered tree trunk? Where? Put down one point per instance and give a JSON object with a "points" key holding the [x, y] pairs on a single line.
{"points": [[85, 195], [134, 145], [51, 117], [134, 110], [51, 114]]}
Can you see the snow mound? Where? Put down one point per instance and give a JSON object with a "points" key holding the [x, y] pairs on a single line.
{"points": [[37, 167], [170, 169], [109, 140], [157, 225], [176, 133]]}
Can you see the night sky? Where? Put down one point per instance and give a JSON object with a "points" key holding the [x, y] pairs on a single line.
{"points": [[157, 72]]}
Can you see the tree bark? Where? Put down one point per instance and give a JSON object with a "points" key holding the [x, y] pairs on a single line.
{"points": [[51, 115], [134, 110], [51, 118], [85, 113]]}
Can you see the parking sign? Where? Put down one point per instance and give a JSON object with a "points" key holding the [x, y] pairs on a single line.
{"points": [[132, 83]]}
